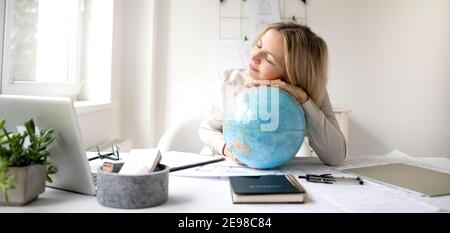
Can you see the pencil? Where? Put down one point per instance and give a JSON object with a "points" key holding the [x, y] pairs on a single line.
{"points": [[195, 164]]}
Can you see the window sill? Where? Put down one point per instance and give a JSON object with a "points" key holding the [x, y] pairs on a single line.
{"points": [[83, 107]]}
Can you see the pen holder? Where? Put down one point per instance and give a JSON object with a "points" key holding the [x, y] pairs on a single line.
{"points": [[133, 191]]}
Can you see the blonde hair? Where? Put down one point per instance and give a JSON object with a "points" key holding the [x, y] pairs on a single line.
{"points": [[305, 56]]}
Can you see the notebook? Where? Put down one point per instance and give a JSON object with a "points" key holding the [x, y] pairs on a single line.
{"points": [[266, 189], [422, 180], [141, 161]]}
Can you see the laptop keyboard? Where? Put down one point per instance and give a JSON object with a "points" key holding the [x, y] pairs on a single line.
{"points": [[94, 178]]}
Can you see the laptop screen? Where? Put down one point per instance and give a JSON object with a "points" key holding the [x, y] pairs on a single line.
{"points": [[67, 153]]}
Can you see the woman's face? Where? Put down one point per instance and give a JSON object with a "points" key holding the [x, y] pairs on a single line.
{"points": [[267, 57]]}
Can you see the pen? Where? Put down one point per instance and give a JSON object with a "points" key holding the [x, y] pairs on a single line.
{"points": [[360, 181], [316, 179], [329, 179], [195, 164]]}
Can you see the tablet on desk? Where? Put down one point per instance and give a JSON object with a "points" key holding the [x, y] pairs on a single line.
{"points": [[422, 180]]}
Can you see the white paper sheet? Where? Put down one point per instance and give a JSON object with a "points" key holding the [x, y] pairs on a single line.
{"points": [[262, 13], [352, 197], [370, 197], [233, 54], [224, 169], [177, 159], [297, 166]]}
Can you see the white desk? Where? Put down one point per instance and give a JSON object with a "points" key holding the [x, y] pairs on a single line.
{"points": [[188, 194]]}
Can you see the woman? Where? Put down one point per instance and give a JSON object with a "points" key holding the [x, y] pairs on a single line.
{"points": [[294, 58]]}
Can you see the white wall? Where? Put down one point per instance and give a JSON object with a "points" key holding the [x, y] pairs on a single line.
{"points": [[130, 115], [388, 62], [136, 21], [185, 66], [99, 118]]}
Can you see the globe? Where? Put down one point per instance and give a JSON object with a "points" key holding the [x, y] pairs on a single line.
{"points": [[264, 127]]}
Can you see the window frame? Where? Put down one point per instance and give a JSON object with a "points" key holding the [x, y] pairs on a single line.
{"points": [[2, 35], [35, 88]]}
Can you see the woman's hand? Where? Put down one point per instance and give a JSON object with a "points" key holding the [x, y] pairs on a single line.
{"points": [[298, 93], [227, 153]]}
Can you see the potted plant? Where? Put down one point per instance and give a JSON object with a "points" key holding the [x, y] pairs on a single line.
{"points": [[24, 165]]}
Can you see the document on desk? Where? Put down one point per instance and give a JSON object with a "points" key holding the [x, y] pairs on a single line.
{"points": [[370, 197], [298, 166], [375, 196], [352, 197], [224, 168], [179, 159]]}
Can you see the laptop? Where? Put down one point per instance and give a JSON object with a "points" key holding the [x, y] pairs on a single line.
{"points": [[67, 153]]}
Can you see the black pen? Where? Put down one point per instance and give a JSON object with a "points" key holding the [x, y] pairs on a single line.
{"points": [[358, 179], [329, 179], [195, 164], [316, 179]]}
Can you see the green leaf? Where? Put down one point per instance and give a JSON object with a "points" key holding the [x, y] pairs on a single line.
{"points": [[30, 127]]}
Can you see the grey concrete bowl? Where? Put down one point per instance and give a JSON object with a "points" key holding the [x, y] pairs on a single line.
{"points": [[132, 192]]}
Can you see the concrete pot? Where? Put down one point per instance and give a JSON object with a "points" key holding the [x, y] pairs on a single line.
{"points": [[133, 191], [29, 183]]}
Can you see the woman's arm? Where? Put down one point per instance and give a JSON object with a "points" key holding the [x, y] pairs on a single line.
{"points": [[323, 132], [210, 130], [211, 134]]}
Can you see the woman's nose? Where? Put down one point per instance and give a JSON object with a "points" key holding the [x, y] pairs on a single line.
{"points": [[256, 58]]}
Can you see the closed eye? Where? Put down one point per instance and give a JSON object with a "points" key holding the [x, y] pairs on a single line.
{"points": [[259, 44], [269, 59], [268, 56]]}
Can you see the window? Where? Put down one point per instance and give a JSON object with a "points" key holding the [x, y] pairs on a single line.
{"points": [[41, 52]]}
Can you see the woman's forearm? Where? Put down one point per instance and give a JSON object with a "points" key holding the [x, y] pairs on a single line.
{"points": [[211, 135], [324, 134]]}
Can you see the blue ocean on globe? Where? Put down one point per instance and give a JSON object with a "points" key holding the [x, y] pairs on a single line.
{"points": [[264, 127]]}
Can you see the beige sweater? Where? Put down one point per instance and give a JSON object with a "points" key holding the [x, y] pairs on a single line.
{"points": [[323, 131]]}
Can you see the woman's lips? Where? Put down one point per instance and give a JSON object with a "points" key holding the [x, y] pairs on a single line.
{"points": [[253, 67]]}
